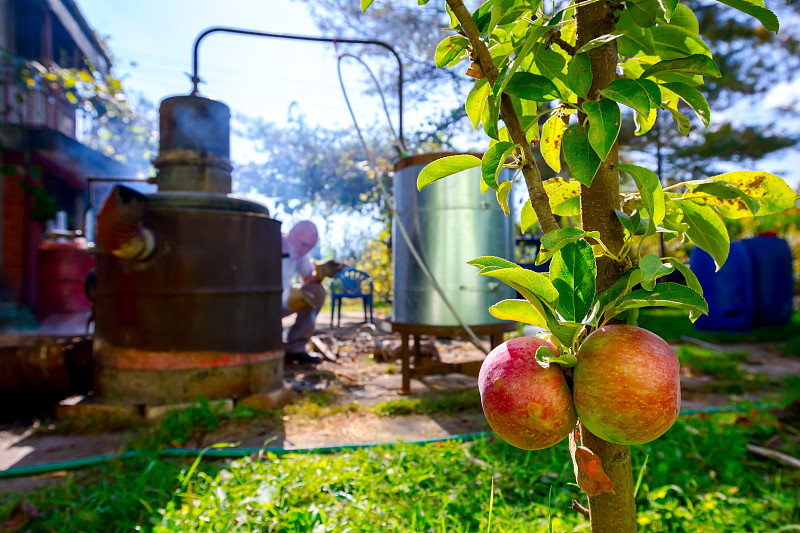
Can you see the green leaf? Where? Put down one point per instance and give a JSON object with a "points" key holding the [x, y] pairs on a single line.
{"points": [[503, 190], [553, 241], [545, 356], [519, 311], [635, 40], [572, 273], [449, 49], [492, 162], [490, 116], [691, 279], [757, 9], [670, 103], [599, 41], [532, 87], [727, 198], [652, 268], [365, 4], [550, 145], [650, 188], [605, 121], [694, 64], [532, 37], [621, 286], [664, 295], [553, 66], [693, 97], [583, 161], [636, 94], [491, 262], [635, 223], [684, 17], [499, 9], [668, 6], [672, 41], [527, 282], [444, 167], [579, 75], [771, 192], [476, 100], [644, 12], [706, 230]]}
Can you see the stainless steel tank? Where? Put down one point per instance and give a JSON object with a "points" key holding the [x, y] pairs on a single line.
{"points": [[189, 281], [449, 223]]}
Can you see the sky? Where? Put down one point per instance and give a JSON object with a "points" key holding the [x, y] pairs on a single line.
{"points": [[261, 77]]}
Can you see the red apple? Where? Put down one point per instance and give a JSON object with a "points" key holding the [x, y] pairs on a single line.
{"points": [[527, 405], [626, 386]]}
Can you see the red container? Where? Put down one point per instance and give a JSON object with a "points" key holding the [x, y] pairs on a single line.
{"points": [[62, 272]]}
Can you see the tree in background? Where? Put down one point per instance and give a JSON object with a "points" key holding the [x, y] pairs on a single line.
{"points": [[754, 62], [115, 125]]}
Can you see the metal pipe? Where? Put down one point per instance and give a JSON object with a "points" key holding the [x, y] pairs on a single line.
{"points": [[257, 33]]}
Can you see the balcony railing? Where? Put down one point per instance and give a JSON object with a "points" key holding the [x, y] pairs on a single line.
{"points": [[37, 106]]}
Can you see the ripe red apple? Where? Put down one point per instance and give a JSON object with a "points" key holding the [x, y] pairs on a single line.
{"points": [[527, 405], [626, 386]]}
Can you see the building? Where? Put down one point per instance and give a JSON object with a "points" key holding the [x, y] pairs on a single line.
{"points": [[44, 164]]}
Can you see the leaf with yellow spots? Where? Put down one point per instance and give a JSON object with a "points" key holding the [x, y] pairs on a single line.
{"points": [[552, 133], [564, 199], [770, 192]]}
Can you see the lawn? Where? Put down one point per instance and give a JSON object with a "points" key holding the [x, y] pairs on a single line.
{"points": [[698, 477], [673, 324]]}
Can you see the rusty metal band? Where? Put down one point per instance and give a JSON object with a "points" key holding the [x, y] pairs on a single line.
{"points": [[108, 356]]}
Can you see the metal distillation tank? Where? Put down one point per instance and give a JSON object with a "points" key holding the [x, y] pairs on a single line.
{"points": [[188, 282], [449, 223]]}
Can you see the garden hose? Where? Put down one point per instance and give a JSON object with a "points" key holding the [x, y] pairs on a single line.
{"points": [[236, 453]]}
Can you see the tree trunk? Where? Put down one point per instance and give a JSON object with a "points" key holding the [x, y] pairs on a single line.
{"points": [[611, 512]]}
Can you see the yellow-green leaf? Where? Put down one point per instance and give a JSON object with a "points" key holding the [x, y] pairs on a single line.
{"points": [[552, 135], [444, 167], [519, 311], [503, 189]]}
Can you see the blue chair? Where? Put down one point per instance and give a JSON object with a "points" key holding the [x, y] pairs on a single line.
{"points": [[350, 283]]}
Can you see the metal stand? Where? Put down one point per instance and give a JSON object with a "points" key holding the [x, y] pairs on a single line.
{"points": [[493, 331]]}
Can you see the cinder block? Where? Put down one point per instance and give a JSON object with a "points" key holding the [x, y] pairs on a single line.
{"points": [[84, 407], [268, 400]]}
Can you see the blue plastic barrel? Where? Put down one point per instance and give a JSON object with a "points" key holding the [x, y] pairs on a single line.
{"points": [[773, 280], [729, 292]]}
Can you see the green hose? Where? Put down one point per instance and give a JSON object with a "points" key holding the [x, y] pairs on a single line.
{"points": [[221, 453], [234, 453]]}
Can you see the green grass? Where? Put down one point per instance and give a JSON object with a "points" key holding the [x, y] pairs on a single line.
{"points": [[449, 402], [671, 324], [726, 368], [699, 478]]}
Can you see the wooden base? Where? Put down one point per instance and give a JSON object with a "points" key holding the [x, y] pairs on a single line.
{"points": [[419, 369]]}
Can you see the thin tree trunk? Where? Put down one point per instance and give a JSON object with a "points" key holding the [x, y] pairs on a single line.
{"points": [[611, 512]]}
